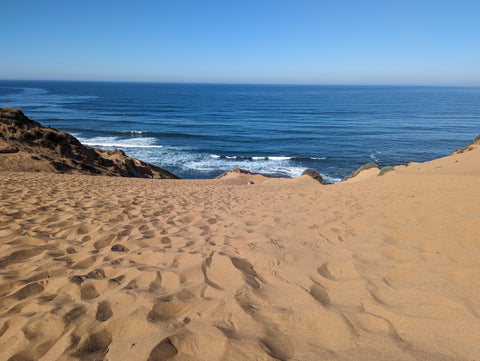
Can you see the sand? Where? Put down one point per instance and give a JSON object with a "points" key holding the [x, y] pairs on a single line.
{"points": [[374, 268]]}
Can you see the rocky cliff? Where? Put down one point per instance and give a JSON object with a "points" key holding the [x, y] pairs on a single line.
{"points": [[26, 145]]}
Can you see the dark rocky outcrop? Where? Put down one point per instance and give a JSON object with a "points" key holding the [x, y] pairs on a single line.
{"points": [[25, 145], [471, 146], [315, 175], [234, 171], [361, 169], [385, 170]]}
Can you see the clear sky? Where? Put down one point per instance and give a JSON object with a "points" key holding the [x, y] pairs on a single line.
{"points": [[243, 41]]}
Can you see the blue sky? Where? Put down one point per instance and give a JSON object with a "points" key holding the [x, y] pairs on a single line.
{"points": [[263, 41]]}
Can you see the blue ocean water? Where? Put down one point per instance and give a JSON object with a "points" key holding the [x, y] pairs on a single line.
{"points": [[201, 130]]}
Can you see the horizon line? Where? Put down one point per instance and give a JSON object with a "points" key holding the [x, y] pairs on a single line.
{"points": [[242, 83]]}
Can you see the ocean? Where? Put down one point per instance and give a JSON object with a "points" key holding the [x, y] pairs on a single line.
{"points": [[202, 130]]}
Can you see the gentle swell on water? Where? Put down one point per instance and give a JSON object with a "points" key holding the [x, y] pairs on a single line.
{"points": [[202, 130]]}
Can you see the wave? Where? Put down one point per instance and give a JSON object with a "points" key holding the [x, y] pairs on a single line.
{"points": [[133, 132], [271, 158], [279, 158], [190, 163], [216, 166], [113, 142]]}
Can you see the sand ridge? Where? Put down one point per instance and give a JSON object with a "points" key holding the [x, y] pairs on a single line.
{"points": [[107, 268]]}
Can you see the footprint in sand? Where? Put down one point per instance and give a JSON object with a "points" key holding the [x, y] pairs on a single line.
{"points": [[42, 334], [165, 350], [320, 294], [249, 274], [37, 328], [148, 234], [189, 243], [89, 292], [96, 274], [166, 240], [119, 248], [104, 241], [20, 256], [4, 328], [156, 283], [131, 285], [33, 353], [338, 271], [71, 250], [83, 229], [74, 314], [85, 263], [324, 272], [104, 311], [168, 309], [31, 289], [95, 346], [55, 253], [117, 280], [278, 345], [193, 274]]}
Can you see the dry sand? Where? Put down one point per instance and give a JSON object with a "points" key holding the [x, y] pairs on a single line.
{"points": [[374, 268]]}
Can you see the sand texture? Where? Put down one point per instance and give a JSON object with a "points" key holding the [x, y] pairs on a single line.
{"points": [[373, 268]]}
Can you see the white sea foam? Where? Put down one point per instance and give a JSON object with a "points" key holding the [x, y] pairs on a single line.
{"points": [[220, 164], [134, 132], [331, 179], [261, 158], [115, 142], [188, 161], [279, 158]]}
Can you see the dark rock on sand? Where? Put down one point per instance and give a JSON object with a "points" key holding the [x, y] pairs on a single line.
{"points": [[315, 175], [385, 170], [471, 146], [361, 169], [26, 145], [234, 171]]}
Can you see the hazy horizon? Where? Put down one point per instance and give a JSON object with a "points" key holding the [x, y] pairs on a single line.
{"points": [[240, 83]]}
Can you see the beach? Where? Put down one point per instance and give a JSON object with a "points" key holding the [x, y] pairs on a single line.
{"points": [[372, 268]]}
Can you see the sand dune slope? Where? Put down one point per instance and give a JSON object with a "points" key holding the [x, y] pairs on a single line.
{"points": [[383, 268]]}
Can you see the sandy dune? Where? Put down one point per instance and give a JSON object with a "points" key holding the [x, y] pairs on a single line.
{"points": [[374, 268]]}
